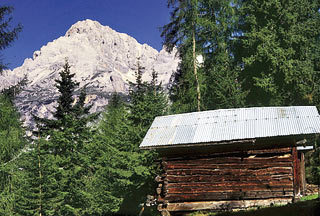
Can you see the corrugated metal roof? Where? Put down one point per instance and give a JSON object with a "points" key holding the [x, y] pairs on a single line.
{"points": [[231, 124]]}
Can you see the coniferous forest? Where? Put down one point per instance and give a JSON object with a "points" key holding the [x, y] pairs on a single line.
{"points": [[253, 53]]}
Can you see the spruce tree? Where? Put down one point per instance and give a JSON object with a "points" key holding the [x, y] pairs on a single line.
{"points": [[279, 51], [63, 158], [122, 173], [7, 35], [147, 100], [183, 32], [112, 160], [37, 192], [13, 141], [11, 132], [223, 86]]}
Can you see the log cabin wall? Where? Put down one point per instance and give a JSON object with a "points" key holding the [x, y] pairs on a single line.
{"points": [[247, 175]]}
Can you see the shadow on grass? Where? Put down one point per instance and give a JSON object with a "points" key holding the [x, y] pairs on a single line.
{"points": [[305, 208]]}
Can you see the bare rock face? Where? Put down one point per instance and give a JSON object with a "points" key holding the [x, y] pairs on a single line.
{"points": [[100, 57]]}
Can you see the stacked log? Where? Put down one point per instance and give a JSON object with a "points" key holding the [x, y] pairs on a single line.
{"points": [[251, 175]]}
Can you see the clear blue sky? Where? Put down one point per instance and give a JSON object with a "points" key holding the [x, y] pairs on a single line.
{"points": [[46, 20]]}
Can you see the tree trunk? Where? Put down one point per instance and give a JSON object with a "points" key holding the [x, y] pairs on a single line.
{"points": [[40, 176], [195, 71]]}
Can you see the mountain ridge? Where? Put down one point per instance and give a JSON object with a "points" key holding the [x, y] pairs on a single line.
{"points": [[101, 58]]}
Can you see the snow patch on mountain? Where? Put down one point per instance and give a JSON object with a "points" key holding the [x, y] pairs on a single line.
{"points": [[101, 58]]}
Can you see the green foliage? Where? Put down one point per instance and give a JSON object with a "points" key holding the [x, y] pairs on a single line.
{"points": [[7, 35], [11, 133], [55, 177], [37, 190], [66, 87], [279, 51], [14, 90], [184, 32], [211, 25], [223, 87], [12, 142], [123, 175], [109, 160], [147, 100], [183, 87], [309, 197]]}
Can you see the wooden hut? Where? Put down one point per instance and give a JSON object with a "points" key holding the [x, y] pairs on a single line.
{"points": [[231, 158]]}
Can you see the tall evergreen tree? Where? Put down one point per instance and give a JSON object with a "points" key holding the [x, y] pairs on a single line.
{"points": [[7, 35], [111, 160], [11, 132], [63, 159], [183, 32], [147, 100], [122, 173], [38, 190], [279, 51], [12, 139], [218, 23]]}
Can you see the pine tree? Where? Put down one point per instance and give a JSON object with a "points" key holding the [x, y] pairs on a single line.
{"points": [[11, 132], [122, 173], [12, 139], [223, 87], [183, 32], [147, 100], [7, 35], [111, 159], [37, 192], [279, 50], [62, 158]]}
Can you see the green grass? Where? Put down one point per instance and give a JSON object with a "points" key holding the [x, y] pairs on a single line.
{"points": [[310, 197], [309, 207]]}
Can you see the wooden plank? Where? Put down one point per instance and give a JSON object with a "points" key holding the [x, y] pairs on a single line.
{"points": [[191, 190], [224, 178], [158, 179], [228, 166], [261, 174], [302, 174], [296, 174], [239, 172], [223, 160], [221, 205], [232, 154], [229, 195], [159, 190], [165, 187], [229, 184], [269, 151]]}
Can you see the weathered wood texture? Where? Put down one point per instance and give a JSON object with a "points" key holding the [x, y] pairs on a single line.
{"points": [[302, 174], [296, 172], [250, 175], [221, 205]]}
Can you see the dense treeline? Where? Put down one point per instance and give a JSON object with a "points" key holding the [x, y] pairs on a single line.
{"points": [[234, 53], [254, 53]]}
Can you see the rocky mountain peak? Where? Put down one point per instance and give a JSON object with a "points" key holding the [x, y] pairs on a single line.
{"points": [[102, 59], [85, 26]]}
